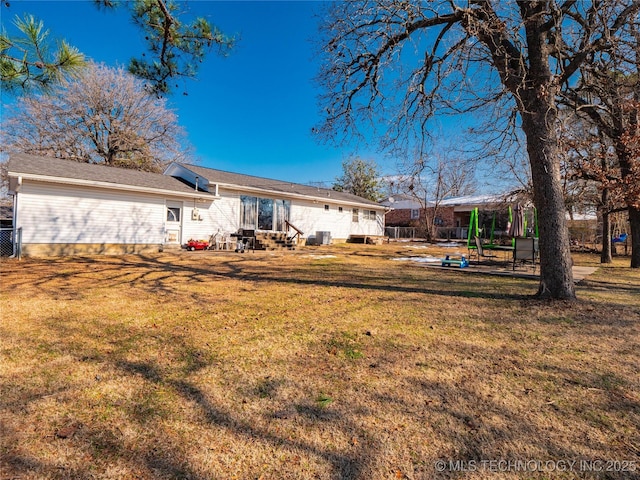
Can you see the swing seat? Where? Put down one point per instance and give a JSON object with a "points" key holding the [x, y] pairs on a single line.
{"points": [[620, 238]]}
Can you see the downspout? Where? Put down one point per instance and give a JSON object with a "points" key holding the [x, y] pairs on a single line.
{"points": [[15, 217]]}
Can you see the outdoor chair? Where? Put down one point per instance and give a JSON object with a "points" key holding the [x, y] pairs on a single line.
{"points": [[224, 242], [220, 241], [480, 252], [525, 251]]}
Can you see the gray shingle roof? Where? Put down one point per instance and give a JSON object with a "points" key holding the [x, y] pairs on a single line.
{"points": [[277, 186], [55, 167]]}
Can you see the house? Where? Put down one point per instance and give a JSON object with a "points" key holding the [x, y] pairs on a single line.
{"points": [[65, 207], [451, 215]]}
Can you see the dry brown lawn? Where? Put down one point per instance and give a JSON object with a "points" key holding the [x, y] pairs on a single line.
{"points": [[329, 363]]}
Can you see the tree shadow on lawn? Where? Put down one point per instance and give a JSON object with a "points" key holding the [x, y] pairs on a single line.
{"points": [[15, 463], [604, 285], [482, 426], [59, 276], [344, 466], [161, 461], [163, 274], [171, 276], [472, 404]]}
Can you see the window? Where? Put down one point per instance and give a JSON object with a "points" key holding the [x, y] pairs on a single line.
{"points": [[173, 214], [355, 215], [326, 208], [248, 212], [265, 214], [415, 213], [370, 214], [283, 208], [339, 209]]}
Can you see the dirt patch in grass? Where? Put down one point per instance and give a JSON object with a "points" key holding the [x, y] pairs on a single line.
{"points": [[333, 362]]}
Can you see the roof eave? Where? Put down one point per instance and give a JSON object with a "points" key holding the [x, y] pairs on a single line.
{"points": [[112, 186], [300, 196]]}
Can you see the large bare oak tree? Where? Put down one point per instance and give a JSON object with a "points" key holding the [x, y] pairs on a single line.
{"points": [[106, 116], [607, 100], [399, 63]]}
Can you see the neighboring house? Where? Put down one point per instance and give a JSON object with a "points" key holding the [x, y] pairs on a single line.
{"points": [[452, 215], [65, 207], [6, 216]]}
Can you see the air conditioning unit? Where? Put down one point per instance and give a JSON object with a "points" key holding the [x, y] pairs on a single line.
{"points": [[323, 238]]}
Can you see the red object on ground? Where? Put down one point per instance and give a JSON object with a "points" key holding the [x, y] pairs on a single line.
{"points": [[197, 245]]}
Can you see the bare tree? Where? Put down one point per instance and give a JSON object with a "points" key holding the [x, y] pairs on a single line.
{"points": [[607, 99], [106, 116], [399, 63], [591, 172], [430, 181]]}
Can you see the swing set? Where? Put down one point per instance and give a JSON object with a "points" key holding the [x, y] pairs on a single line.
{"points": [[619, 236], [530, 218]]}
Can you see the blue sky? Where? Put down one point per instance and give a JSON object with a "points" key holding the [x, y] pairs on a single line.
{"points": [[251, 112]]}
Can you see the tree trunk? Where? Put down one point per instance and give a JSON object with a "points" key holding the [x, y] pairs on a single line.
{"points": [[634, 220], [556, 276], [625, 157], [605, 257]]}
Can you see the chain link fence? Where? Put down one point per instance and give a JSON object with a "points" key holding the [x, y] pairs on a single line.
{"points": [[10, 243], [400, 232]]}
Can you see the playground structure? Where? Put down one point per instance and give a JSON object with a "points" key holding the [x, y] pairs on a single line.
{"points": [[489, 217], [619, 228], [453, 261], [522, 229], [529, 228], [586, 233]]}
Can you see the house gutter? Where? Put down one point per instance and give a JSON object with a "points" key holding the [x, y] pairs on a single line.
{"points": [[200, 195]]}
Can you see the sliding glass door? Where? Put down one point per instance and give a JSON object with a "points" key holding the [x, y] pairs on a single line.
{"points": [[263, 213]]}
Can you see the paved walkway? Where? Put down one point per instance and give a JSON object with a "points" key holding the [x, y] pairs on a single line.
{"points": [[579, 273]]}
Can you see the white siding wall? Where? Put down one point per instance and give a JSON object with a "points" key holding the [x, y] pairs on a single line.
{"points": [[226, 212], [223, 216], [220, 215], [311, 217], [51, 213]]}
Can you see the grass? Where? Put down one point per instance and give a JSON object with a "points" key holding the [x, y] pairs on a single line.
{"points": [[334, 362]]}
